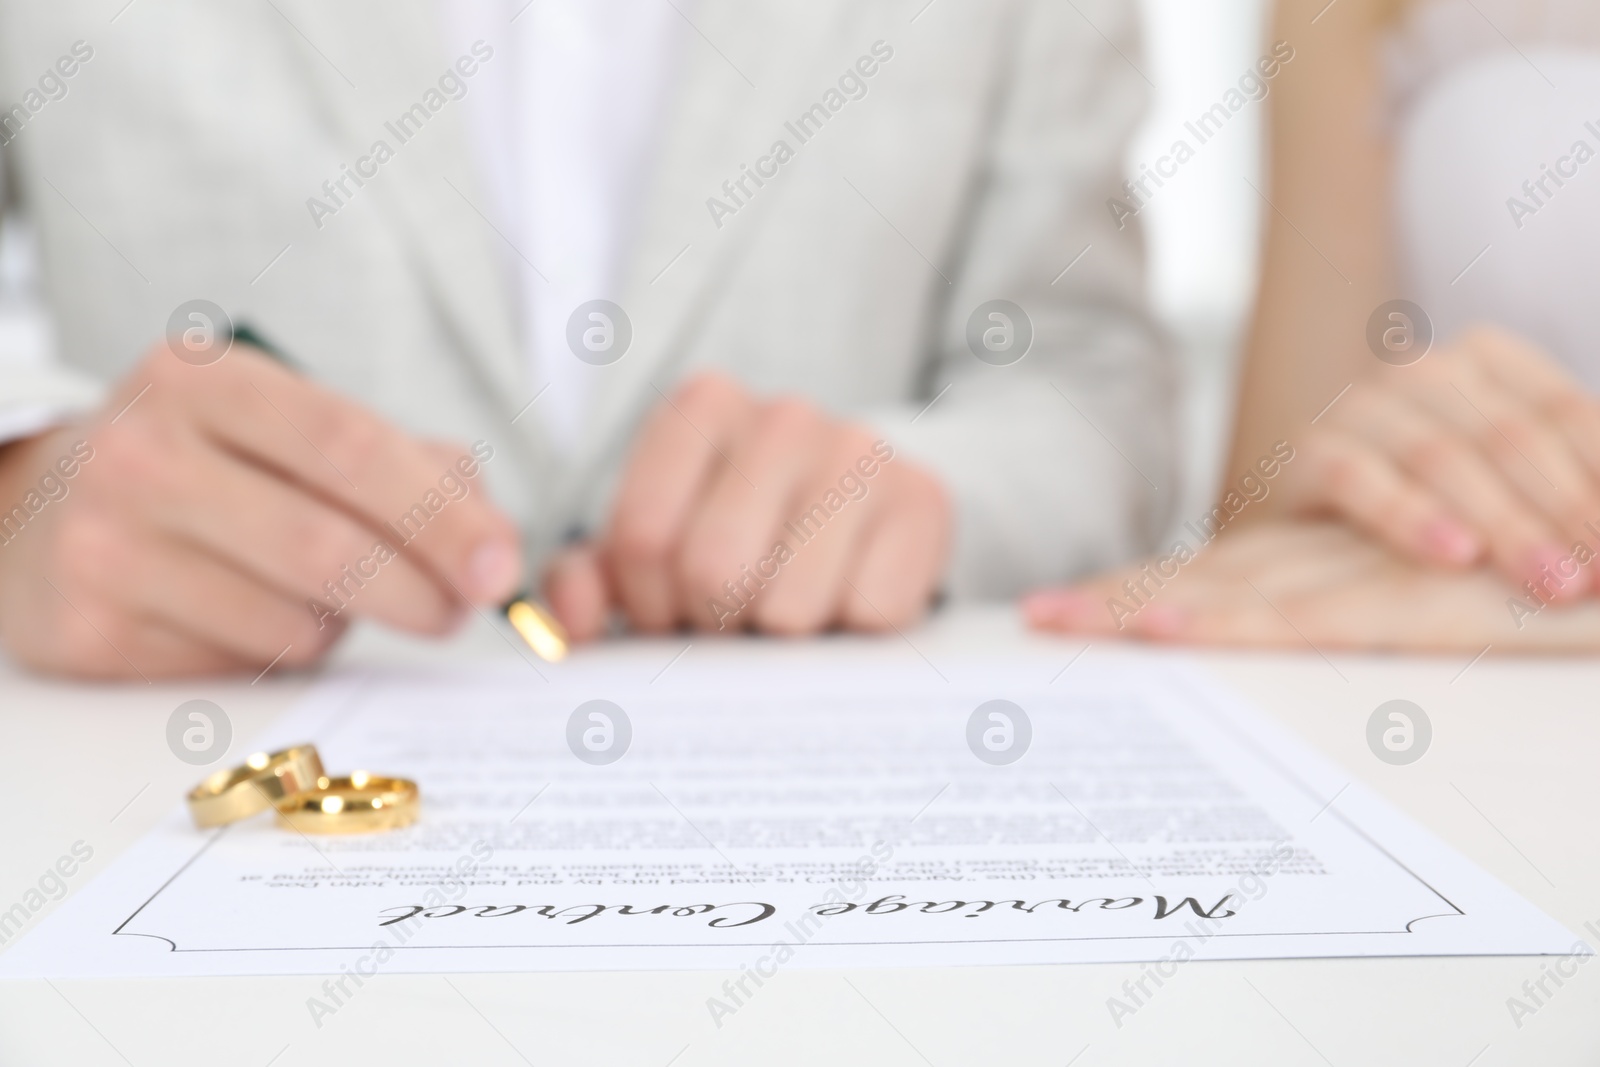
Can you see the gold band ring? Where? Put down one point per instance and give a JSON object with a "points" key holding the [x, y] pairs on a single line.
{"points": [[255, 785], [357, 804]]}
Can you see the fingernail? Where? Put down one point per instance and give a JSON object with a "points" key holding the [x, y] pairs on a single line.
{"points": [[1162, 620], [493, 570], [1557, 573], [1039, 608], [1052, 606], [1451, 541]]}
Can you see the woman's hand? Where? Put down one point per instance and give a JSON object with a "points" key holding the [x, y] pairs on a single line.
{"points": [[1483, 450], [1319, 586]]}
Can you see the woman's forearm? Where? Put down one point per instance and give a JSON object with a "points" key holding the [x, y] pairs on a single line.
{"points": [[1326, 263]]}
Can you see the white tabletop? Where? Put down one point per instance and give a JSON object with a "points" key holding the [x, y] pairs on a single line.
{"points": [[1510, 780]]}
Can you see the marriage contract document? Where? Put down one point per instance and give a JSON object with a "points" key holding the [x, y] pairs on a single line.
{"points": [[753, 807]]}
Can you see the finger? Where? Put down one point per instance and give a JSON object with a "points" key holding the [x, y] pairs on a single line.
{"points": [[1094, 606], [735, 528], [75, 633], [1514, 367], [149, 650], [1054, 608], [1319, 587], [352, 457], [1509, 365], [685, 438], [833, 507], [893, 575], [1359, 595], [1526, 369], [1526, 447], [576, 586], [1234, 590], [1362, 485], [1577, 416], [1254, 570], [301, 546], [1133, 601], [1207, 608], [1244, 553], [209, 601], [1521, 543]]}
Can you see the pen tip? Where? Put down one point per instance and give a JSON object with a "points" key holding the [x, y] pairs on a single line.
{"points": [[538, 628]]}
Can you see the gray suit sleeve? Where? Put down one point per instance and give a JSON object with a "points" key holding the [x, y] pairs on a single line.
{"points": [[1058, 463], [35, 390]]}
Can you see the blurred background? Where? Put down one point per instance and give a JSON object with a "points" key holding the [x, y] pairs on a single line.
{"points": [[1202, 229]]}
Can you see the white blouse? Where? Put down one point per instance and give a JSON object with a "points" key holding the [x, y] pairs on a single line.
{"points": [[1495, 111]]}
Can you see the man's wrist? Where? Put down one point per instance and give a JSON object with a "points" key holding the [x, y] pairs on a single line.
{"points": [[31, 420], [24, 460]]}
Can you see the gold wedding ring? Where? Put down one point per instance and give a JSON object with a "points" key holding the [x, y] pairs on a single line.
{"points": [[358, 804], [256, 785], [293, 782]]}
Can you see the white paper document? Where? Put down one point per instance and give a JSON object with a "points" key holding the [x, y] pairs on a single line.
{"points": [[810, 809]]}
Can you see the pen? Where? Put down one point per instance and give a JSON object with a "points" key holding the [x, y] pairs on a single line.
{"points": [[532, 621]]}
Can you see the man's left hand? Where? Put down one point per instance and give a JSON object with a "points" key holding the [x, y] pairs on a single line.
{"points": [[741, 513]]}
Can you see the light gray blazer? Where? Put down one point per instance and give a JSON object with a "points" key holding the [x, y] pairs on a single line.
{"points": [[180, 161]]}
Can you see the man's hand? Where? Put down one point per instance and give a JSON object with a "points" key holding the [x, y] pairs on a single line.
{"points": [[1486, 449], [738, 513], [209, 506], [1316, 585]]}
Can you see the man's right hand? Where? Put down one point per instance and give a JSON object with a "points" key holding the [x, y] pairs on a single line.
{"points": [[217, 503]]}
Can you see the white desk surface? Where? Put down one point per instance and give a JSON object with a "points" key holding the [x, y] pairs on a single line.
{"points": [[1510, 780]]}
